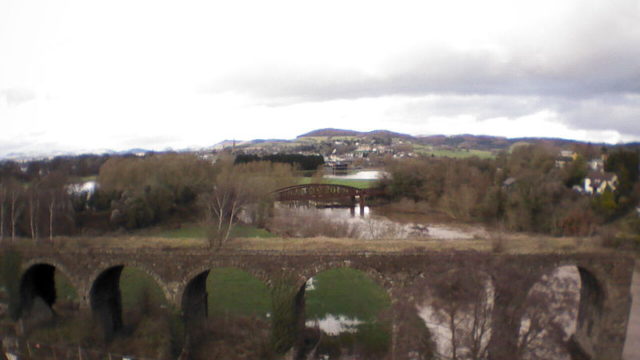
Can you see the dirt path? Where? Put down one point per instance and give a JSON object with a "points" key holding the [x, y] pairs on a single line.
{"points": [[632, 344]]}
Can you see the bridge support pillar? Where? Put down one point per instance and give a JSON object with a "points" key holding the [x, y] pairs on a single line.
{"points": [[194, 301], [362, 204], [410, 338], [106, 303], [511, 290], [603, 316]]}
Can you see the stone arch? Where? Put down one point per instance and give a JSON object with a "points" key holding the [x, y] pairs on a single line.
{"points": [[38, 281], [106, 301], [218, 299], [592, 295], [168, 294], [194, 299], [310, 336], [56, 264], [105, 297]]}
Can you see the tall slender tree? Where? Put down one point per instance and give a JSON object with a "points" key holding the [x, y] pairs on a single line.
{"points": [[15, 207], [3, 198], [33, 197]]}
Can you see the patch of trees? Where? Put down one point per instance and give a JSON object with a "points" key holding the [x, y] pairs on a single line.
{"points": [[139, 192], [246, 189], [136, 192], [522, 190], [626, 165], [302, 162], [36, 209], [70, 166]]}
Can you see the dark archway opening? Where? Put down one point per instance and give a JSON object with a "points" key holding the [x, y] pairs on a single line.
{"points": [[106, 302], [38, 293], [38, 283], [49, 310], [194, 302]]}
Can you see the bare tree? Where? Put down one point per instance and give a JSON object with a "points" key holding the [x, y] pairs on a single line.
{"points": [[460, 306], [56, 198], [3, 198], [243, 188], [33, 198], [223, 203], [51, 208], [15, 207], [550, 315]]}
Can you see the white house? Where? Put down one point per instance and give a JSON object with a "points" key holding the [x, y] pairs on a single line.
{"points": [[596, 164], [596, 182]]}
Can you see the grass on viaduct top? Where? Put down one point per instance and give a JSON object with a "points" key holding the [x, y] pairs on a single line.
{"points": [[501, 243]]}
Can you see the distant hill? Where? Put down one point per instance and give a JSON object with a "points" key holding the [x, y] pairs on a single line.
{"points": [[330, 132], [342, 132], [486, 142]]}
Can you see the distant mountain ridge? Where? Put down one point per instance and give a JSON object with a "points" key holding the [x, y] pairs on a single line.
{"points": [[329, 132], [487, 142]]}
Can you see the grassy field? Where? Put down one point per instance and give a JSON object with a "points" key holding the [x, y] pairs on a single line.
{"points": [[459, 154], [64, 290], [198, 231], [138, 287], [236, 292], [357, 183], [512, 243], [233, 292], [345, 292]]}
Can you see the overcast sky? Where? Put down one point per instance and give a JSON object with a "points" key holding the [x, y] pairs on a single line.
{"points": [[90, 75]]}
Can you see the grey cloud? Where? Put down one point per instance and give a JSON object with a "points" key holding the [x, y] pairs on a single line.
{"points": [[593, 51], [611, 112], [438, 71], [481, 107], [621, 113], [17, 96]]}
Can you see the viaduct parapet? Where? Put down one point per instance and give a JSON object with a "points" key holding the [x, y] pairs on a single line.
{"points": [[604, 296]]}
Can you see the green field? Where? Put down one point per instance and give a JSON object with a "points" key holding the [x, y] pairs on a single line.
{"points": [[137, 288], [232, 291], [64, 290], [345, 292], [357, 183], [235, 292], [458, 154]]}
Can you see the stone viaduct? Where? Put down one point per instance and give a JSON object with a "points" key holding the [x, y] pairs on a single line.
{"points": [[602, 317]]}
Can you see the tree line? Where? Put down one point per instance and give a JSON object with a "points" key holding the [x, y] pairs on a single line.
{"points": [[300, 161], [522, 190], [38, 199]]}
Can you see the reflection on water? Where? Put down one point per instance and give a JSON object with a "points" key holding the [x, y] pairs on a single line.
{"points": [[359, 175], [335, 325], [370, 225]]}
